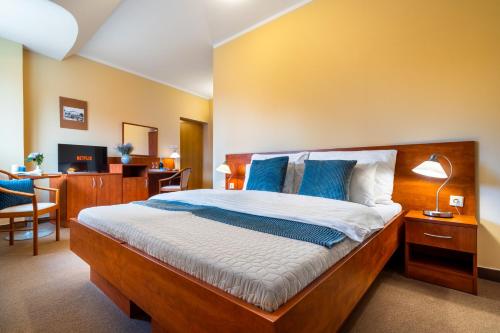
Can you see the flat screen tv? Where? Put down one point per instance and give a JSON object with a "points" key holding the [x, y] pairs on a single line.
{"points": [[77, 158]]}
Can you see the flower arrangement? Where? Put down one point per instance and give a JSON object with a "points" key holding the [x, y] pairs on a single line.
{"points": [[125, 149], [35, 157]]}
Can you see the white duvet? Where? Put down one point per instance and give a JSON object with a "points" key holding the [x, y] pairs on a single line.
{"points": [[355, 220], [262, 269]]}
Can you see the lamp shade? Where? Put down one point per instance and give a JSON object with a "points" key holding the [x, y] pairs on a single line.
{"points": [[175, 155], [431, 168], [224, 168]]}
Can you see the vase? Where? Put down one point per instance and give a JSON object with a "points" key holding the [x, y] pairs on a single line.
{"points": [[126, 159], [38, 169]]}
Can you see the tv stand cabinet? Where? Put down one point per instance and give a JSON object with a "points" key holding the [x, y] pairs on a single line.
{"points": [[123, 184], [84, 190]]}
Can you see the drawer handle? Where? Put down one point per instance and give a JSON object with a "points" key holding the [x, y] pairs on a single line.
{"points": [[438, 236]]}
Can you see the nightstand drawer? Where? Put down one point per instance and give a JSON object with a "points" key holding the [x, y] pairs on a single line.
{"points": [[443, 236]]}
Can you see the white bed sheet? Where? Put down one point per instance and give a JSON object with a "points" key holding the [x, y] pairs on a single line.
{"points": [[262, 269]]}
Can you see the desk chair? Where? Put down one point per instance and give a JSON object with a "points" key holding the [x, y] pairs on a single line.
{"points": [[33, 209], [182, 175]]}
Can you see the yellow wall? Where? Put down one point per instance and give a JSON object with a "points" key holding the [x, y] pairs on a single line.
{"points": [[11, 104], [356, 73], [113, 96]]}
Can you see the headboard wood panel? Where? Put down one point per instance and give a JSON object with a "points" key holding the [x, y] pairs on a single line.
{"points": [[411, 190]]}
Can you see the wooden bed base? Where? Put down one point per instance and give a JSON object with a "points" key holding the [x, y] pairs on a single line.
{"points": [[178, 302]]}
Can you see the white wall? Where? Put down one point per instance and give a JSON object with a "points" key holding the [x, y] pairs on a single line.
{"points": [[11, 104]]}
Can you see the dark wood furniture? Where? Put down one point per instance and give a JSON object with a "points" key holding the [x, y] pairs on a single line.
{"points": [[166, 185], [83, 190], [178, 302], [33, 210], [442, 250], [134, 181]]}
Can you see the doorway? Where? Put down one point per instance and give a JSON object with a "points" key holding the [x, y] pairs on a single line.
{"points": [[191, 150]]}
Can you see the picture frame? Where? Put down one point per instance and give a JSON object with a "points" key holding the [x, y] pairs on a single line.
{"points": [[73, 113]]}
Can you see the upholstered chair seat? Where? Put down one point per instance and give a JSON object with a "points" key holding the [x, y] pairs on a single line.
{"points": [[171, 188], [28, 208]]}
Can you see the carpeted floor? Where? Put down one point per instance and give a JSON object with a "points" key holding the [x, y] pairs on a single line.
{"points": [[52, 293]]}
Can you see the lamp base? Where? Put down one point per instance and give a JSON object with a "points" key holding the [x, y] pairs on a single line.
{"points": [[434, 213]]}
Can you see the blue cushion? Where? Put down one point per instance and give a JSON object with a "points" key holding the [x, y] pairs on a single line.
{"points": [[268, 175], [327, 179], [19, 185]]}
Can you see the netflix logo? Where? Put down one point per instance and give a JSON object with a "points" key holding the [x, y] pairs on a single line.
{"points": [[83, 158]]}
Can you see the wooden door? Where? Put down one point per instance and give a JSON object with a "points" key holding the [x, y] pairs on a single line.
{"points": [[109, 190], [191, 151], [135, 189], [82, 192]]}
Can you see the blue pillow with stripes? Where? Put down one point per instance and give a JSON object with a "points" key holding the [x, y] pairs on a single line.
{"points": [[268, 175], [19, 185], [327, 179]]}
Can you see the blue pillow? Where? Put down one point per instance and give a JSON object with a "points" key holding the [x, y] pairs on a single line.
{"points": [[19, 185], [268, 175], [327, 179]]}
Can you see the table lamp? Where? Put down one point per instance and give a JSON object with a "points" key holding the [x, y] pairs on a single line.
{"points": [[225, 169], [432, 168], [175, 155]]}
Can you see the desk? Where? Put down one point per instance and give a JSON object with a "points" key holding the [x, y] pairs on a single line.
{"points": [[42, 176]]}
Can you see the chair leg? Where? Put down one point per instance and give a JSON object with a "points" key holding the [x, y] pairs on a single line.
{"points": [[11, 231], [58, 224], [35, 235]]}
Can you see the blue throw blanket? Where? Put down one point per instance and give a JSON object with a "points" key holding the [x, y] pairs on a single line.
{"points": [[285, 228]]}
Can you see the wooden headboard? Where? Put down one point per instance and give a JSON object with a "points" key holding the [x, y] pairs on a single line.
{"points": [[411, 190]]}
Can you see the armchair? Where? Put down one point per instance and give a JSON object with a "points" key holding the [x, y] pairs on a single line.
{"points": [[33, 210]]}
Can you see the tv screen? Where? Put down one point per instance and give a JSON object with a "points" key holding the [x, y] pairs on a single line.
{"points": [[77, 158]]}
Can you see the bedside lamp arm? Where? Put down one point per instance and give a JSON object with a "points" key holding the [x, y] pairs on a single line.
{"points": [[446, 181]]}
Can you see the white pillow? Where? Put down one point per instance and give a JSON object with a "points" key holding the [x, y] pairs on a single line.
{"points": [[293, 159], [384, 175], [362, 187]]}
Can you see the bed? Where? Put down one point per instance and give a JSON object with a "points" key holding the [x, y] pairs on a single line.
{"points": [[249, 283]]}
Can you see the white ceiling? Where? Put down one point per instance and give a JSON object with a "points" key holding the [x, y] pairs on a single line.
{"points": [[168, 41], [39, 25]]}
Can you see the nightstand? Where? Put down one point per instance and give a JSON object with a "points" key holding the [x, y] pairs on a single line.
{"points": [[442, 250]]}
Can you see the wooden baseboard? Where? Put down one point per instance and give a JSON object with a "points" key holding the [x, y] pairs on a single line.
{"points": [[488, 274]]}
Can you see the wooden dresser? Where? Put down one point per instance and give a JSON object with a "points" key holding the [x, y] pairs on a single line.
{"points": [[84, 190], [123, 184], [442, 250]]}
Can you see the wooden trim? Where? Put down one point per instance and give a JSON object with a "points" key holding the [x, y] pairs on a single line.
{"points": [[412, 191], [194, 121], [178, 302], [488, 274]]}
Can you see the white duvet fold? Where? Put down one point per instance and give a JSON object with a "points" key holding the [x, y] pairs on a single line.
{"points": [[356, 221]]}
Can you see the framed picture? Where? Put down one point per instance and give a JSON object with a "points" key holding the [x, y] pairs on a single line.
{"points": [[73, 113]]}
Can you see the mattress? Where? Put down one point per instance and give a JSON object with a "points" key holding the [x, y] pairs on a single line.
{"points": [[262, 269]]}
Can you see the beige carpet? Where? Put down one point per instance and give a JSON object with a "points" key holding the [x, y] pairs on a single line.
{"points": [[52, 293]]}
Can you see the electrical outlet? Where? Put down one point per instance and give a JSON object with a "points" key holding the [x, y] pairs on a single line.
{"points": [[456, 201], [231, 186]]}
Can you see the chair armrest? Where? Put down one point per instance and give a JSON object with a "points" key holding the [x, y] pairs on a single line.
{"points": [[55, 190], [10, 175], [169, 178]]}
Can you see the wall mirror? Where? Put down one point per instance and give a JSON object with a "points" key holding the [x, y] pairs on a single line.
{"points": [[143, 138]]}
